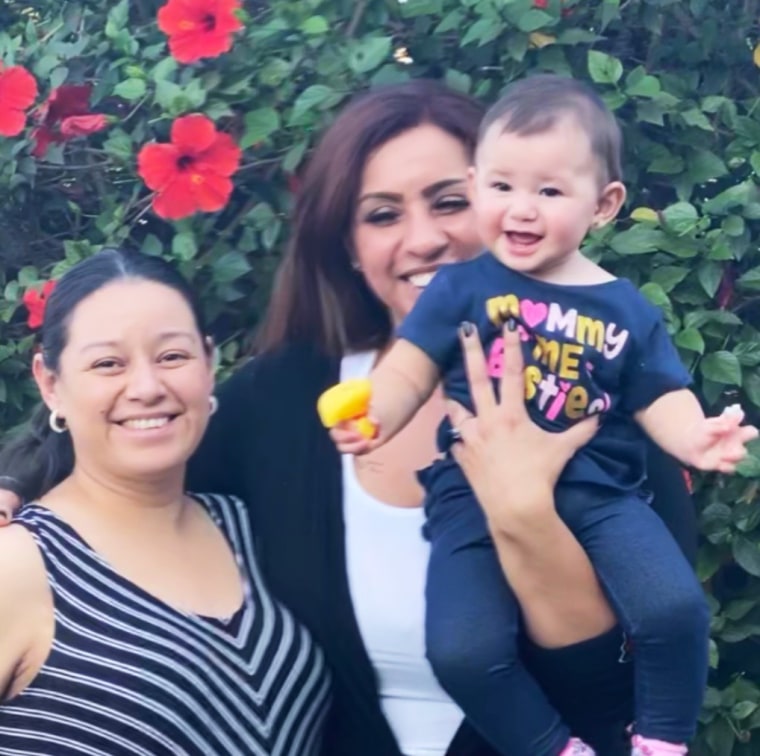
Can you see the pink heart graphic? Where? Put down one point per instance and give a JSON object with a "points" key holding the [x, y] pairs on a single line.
{"points": [[533, 313]]}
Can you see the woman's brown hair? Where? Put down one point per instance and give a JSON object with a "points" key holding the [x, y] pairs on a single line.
{"points": [[318, 298]]}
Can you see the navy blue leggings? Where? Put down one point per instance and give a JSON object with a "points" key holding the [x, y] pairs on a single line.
{"points": [[473, 619]]}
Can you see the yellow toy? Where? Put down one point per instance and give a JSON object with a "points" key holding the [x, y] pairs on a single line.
{"points": [[348, 400]]}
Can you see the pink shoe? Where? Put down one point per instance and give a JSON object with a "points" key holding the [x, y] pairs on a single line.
{"points": [[576, 747], [651, 747]]}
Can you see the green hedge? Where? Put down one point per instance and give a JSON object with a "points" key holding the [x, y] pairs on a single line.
{"points": [[681, 75]]}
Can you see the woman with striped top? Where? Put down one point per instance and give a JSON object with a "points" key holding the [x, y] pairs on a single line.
{"points": [[133, 619]]}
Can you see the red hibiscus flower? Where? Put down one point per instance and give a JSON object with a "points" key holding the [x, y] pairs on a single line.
{"points": [[545, 4], [18, 90], [193, 171], [65, 115], [199, 28], [35, 302]]}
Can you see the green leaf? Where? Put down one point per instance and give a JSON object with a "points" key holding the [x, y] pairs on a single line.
{"points": [[722, 367], [691, 340], [462, 82], [754, 161], [119, 145], [750, 280], [696, 118], [704, 165], [164, 68], [748, 353], [733, 225], [317, 95], [184, 246], [603, 68], [259, 124], [315, 25], [743, 709], [533, 20], [369, 53], [710, 275], [640, 84], [734, 196], [293, 156], [414, 8], [610, 12], [669, 276], [118, 15], [576, 36], [681, 217], [517, 46], [152, 246], [451, 21], [699, 318], [638, 240], [749, 467], [747, 554], [737, 610], [720, 737], [714, 654], [230, 266], [667, 163], [483, 31], [751, 386], [655, 294], [650, 112], [169, 96], [130, 89]]}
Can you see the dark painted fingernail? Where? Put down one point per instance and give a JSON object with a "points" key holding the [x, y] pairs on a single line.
{"points": [[511, 324], [466, 328]]}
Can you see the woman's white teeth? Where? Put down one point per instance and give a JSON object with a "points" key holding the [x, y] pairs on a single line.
{"points": [[421, 280], [146, 423]]}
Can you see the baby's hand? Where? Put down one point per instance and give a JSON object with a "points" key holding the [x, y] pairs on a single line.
{"points": [[351, 439], [719, 443]]}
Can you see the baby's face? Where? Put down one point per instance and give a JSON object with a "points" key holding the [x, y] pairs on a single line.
{"points": [[536, 196]]}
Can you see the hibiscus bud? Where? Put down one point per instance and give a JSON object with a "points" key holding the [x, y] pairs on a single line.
{"points": [[725, 294], [83, 125]]}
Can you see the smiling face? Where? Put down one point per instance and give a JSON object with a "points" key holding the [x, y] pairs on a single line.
{"points": [[134, 381], [536, 196], [413, 215]]}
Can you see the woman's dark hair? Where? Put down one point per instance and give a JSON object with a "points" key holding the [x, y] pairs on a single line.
{"points": [[318, 298], [37, 458]]}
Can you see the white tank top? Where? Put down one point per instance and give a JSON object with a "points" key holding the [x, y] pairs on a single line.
{"points": [[386, 558]]}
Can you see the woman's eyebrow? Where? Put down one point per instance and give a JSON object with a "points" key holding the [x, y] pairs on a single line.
{"points": [[427, 192], [433, 189]]}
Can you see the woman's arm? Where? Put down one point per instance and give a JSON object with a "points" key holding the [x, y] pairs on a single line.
{"points": [[26, 611], [551, 575]]}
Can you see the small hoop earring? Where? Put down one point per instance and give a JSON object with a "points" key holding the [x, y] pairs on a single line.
{"points": [[213, 404], [57, 423]]}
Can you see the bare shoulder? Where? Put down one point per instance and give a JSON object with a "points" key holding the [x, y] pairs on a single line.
{"points": [[22, 571], [26, 610]]}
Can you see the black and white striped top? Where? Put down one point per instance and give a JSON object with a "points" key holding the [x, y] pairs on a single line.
{"points": [[128, 675]]}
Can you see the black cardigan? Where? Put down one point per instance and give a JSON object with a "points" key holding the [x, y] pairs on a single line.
{"points": [[265, 445]]}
